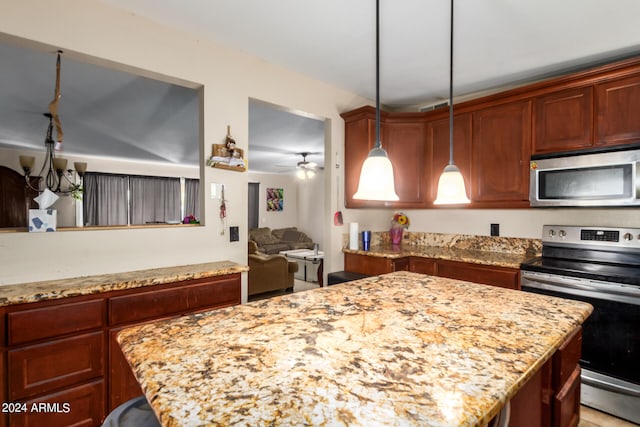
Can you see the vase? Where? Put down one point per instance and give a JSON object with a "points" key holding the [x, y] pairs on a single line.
{"points": [[395, 233]]}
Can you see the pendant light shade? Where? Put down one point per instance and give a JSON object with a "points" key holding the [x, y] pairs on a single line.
{"points": [[451, 188], [376, 176]]}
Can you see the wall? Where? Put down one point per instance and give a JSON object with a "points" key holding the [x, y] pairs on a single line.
{"points": [[90, 30], [303, 206], [311, 216], [526, 223], [288, 217]]}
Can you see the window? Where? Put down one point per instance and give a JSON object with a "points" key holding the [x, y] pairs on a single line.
{"points": [[113, 199]]}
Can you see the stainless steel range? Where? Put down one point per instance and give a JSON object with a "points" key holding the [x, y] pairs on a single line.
{"points": [[601, 266]]}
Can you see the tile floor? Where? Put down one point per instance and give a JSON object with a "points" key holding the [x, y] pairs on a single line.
{"points": [[592, 418], [588, 417]]}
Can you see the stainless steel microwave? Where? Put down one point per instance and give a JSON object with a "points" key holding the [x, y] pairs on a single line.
{"points": [[601, 177]]}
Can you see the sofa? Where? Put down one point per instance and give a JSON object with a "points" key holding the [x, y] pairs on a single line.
{"points": [[280, 239], [269, 272]]}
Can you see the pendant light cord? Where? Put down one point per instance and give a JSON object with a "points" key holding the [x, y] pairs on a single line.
{"points": [[378, 143], [451, 89]]}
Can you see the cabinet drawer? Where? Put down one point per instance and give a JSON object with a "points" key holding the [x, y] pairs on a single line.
{"points": [[77, 406], [370, 265], [566, 358], [43, 367], [56, 320], [422, 265], [182, 298], [488, 275]]}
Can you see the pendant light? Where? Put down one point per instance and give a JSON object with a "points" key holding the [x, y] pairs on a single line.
{"points": [[451, 188], [376, 176]]}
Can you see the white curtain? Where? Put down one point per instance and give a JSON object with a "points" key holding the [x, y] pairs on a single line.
{"points": [[154, 199], [192, 197], [105, 199]]}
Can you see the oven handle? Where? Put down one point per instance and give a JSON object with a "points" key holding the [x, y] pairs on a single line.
{"points": [[573, 286], [616, 387]]}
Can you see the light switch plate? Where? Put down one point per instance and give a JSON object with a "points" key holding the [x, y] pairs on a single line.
{"points": [[234, 234]]}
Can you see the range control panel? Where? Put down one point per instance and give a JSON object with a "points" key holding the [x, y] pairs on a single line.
{"points": [[600, 236]]}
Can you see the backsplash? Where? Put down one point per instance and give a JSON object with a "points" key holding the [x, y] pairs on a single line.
{"points": [[512, 245]]}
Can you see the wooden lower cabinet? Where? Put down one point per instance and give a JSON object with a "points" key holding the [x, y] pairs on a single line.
{"points": [[477, 273], [60, 359], [531, 406], [422, 265], [37, 369], [81, 405], [485, 274], [374, 266], [122, 385]]}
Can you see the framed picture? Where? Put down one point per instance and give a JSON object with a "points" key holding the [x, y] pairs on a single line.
{"points": [[275, 199]]}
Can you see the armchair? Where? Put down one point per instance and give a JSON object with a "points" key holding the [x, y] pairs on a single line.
{"points": [[269, 272]]}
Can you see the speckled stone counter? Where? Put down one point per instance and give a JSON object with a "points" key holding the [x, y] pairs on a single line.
{"points": [[393, 350], [475, 256], [487, 250], [88, 285]]}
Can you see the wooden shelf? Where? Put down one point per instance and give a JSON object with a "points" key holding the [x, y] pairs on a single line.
{"points": [[229, 168]]}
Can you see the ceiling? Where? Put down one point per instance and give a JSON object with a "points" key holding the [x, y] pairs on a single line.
{"points": [[498, 44], [104, 112]]}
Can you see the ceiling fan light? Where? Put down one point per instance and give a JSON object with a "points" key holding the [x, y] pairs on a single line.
{"points": [[376, 178], [451, 188], [300, 174]]}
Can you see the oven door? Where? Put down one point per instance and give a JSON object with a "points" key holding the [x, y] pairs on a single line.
{"points": [[610, 338]]}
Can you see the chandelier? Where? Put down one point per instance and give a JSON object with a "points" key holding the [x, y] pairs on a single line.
{"points": [[54, 169]]}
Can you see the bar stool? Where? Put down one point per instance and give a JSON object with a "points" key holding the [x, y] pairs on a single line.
{"points": [[132, 413]]}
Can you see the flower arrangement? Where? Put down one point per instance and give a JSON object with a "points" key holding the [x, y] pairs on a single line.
{"points": [[400, 220], [190, 219]]}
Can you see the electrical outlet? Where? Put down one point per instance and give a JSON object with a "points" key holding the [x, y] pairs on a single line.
{"points": [[495, 229], [234, 234]]}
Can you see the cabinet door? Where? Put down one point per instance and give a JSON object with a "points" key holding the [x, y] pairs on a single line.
{"points": [[359, 136], [422, 265], [501, 149], [618, 107], [563, 120], [44, 367], [80, 406], [122, 383], [406, 144], [566, 405], [438, 134], [365, 264], [531, 406]]}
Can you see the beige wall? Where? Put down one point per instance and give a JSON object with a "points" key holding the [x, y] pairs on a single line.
{"points": [[88, 28], [288, 216]]}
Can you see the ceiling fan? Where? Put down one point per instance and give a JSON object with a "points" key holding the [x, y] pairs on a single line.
{"points": [[307, 169]]}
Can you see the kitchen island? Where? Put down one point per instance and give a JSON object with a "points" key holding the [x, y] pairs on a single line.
{"points": [[396, 349]]}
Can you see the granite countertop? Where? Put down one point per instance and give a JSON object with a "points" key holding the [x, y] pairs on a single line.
{"points": [[88, 285], [392, 350], [475, 256]]}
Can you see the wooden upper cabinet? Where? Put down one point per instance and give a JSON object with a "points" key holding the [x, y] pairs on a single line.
{"points": [[438, 134], [618, 106], [563, 120], [359, 139], [405, 142], [501, 149], [404, 139]]}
